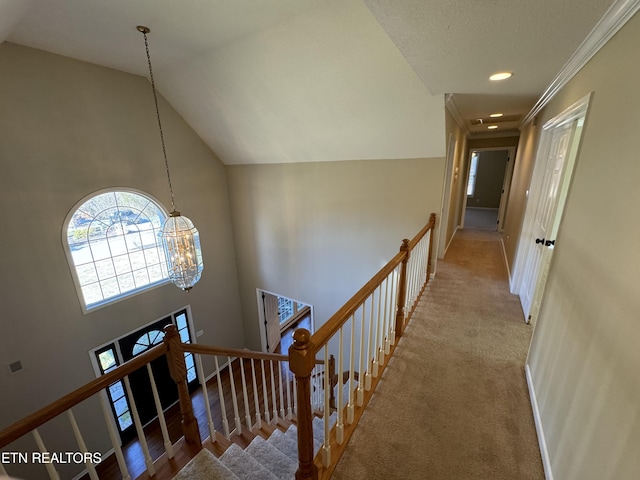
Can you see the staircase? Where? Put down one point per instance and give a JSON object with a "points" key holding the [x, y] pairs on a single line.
{"points": [[274, 458]]}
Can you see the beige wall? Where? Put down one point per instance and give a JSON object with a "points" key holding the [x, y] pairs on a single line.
{"points": [[68, 129], [305, 230], [584, 357]]}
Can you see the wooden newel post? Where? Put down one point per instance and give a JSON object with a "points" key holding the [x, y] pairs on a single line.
{"points": [[402, 289], [432, 222], [178, 371], [301, 363]]}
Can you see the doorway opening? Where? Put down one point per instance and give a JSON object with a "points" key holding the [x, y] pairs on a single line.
{"points": [[487, 188], [279, 316]]}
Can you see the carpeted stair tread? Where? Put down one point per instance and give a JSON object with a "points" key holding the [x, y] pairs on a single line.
{"points": [[205, 466], [272, 459], [285, 444], [244, 466]]}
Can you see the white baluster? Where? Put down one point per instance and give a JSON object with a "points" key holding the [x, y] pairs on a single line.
{"points": [[91, 469], [256, 400], [234, 398], [136, 421], [350, 404], [247, 412], [363, 368], [367, 378], [205, 396], [273, 394], [326, 446], [389, 318], [385, 313], [377, 328], [53, 474], [265, 396], [289, 403], [295, 394], [223, 406], [113, 435], [340, 404], [168, 447], [281, 387], [394, 305]]}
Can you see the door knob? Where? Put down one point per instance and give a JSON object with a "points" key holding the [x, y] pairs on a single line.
{"points": [[548, 243], [539, 240]]}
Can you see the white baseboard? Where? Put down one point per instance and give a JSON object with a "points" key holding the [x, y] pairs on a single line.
{"points": [[546, 461], [506, 261], [449, 244]]}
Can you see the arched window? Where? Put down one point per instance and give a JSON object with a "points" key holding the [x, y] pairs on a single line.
{"points": [[113, 246]]}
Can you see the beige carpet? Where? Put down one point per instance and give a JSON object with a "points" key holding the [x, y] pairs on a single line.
{"points": [[454, 402]]}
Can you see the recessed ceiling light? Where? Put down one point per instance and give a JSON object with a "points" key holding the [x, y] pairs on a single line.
{"points": [[496, 115], [492, 127], [500, 76]]}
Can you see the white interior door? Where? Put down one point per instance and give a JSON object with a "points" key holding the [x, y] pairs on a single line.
{"points": [[550, 186], [271, 321], [545, 207]]}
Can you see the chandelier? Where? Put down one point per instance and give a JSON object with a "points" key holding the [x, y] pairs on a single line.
{"points": [[180, 238]]}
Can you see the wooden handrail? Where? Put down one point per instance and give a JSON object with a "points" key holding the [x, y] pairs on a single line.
{"points": [[429, 226], [326, 331], [306, 346], [233, 352], [42, 416]]}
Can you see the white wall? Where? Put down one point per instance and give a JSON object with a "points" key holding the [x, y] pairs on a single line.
{"points": [[584, 358], [68, 129], [317, 232]]}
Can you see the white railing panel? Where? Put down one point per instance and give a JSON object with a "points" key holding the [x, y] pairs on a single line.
{"points": [[53, 473], [168, 447], [113, 436], [140, 431], [234, 398], [205, 395], [223, 406], [82, 446]]}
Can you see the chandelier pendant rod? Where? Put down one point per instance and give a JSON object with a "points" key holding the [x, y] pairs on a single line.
{"points": [[144, 30]]}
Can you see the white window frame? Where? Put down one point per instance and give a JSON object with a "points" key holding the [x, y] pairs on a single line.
{"points": [[88, 308]]}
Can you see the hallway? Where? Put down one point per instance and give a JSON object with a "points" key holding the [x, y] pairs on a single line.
{"points": [[453, 403]]}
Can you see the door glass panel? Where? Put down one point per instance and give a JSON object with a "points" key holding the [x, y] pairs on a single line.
{"points": [[181, 321], [107, 360], [116, 390], [121, 406], [125, 421]]}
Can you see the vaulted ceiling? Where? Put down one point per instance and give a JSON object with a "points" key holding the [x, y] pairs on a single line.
{"points": [[271, 81]]}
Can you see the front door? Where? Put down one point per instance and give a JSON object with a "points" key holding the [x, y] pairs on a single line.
{"points": [[133, 345]]}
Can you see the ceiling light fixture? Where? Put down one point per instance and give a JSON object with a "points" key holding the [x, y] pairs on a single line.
{"points": [[180, 238], [496, 115], [500, 76], [492, 127]]}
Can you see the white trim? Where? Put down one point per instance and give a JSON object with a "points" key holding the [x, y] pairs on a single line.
{"points": [[504, 254], [544, 453], [612, 21], [450, 241], [450, 104]]}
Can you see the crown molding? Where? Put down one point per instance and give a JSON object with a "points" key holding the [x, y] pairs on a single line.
{"points": [[612, 21], [451, 105]]}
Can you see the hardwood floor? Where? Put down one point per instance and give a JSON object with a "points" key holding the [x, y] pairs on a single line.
{"points": [[133, 452]]}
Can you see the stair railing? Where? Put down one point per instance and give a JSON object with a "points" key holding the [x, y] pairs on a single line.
{"points": [[362, 336], [253, 389]]}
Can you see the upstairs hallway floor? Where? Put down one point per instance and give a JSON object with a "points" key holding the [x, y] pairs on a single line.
{"points": [[453, 403]]}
